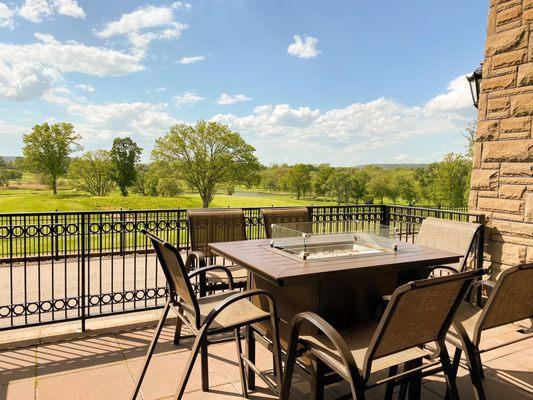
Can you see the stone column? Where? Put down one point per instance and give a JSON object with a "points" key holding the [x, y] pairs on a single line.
{"points": [[502, 176]]}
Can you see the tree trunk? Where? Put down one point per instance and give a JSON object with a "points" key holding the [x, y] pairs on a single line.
{"points": [[54, 184]]}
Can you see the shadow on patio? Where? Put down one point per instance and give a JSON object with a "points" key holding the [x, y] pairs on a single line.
{"points": [[105, 367]]}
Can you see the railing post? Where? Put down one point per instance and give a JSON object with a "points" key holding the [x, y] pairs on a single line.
{"points": [[55, 237], [83, 288], [385, 214]]}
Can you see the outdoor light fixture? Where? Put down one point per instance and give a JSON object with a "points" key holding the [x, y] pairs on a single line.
{"points": [[474, 81]]}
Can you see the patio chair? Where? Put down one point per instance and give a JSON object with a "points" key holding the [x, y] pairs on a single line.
{"points": [[211, 226], [474, 328], [418, 313], [208, 316], [456, 236], [283, 215]]}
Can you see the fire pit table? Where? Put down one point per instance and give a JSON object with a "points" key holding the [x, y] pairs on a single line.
{"points": [[338, 269]]}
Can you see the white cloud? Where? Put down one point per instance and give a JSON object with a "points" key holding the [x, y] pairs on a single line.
{"points": [[145, 25], [348, 135], [226, 99], [6, 17], [26, 71], [37, 10], [85, 87], [191, 60], [110, 119], [70, 8], [157, 90], [187, 99], [303, 48], [181, 5], [456, 97]]}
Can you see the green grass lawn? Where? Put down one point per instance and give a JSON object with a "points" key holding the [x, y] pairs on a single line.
{"points": [[38, 200]]}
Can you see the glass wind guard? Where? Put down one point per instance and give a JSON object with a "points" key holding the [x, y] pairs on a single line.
{"points": [[325, 239]]}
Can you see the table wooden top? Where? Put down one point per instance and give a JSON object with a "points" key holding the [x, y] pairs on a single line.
{"points": [[281, 269]]}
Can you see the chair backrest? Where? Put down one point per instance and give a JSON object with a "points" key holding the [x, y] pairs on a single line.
{"points": [[215, 225], [173, 267], [455, 236], [418, 312], [283, 215], [511, 300]]}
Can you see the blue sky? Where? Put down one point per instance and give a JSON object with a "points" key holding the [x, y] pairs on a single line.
{"points": [[341, 82]]}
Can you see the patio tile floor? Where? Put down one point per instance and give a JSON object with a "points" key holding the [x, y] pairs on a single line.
{"points": [[105, 367]]}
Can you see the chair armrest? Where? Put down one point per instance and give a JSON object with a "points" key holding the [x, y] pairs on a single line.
{"points": [[327, 329], [238, 297], [448, 268], [195, 259], [203, 270], [477, 287]]}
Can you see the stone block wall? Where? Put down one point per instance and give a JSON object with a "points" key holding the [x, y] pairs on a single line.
{"points": [[502, 176]]}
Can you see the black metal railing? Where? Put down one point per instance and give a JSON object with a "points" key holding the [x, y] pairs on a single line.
{"points": [[63, 266]]}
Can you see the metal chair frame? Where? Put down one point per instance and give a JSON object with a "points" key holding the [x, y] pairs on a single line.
{"points": [[471, 346], [283, 215], [359, 379], [476, 234], [198, 259], [202, 329]]}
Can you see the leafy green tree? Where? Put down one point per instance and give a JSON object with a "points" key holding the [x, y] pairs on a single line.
{"points": [[298, 179], [340, 185], [470, 136], [319, 179], [93, 173], [347, 186], [424, 178], [379, 185], [147, 180], [47, 149], [452, 180], [7, 175], [169, 187], [3, 163], [268, 179], [207, 156], [125, 153], [405, 181]]}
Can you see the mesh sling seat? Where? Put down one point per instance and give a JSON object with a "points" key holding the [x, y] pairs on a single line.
{"points": [[418, 313], [283, 215], [456, 236], [207, 316], [212, 226], [506, 311]]}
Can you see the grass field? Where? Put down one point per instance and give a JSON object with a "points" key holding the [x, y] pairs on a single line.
{"points": [[38, 200]]}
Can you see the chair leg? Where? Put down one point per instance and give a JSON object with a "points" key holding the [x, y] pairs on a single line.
{"points": [[455, 368], [204, 356], [242, 371], [317, 379], [250, 354], [276, 350], [415, 384], [448, 373], [476, 373], [190, 364], [403, 392], [177, 333], [289, 371], [151, 349], [390, 386]]}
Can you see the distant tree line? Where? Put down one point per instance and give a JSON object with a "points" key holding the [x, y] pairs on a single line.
{"points": [[208, 157], [440, 183], [10, 171]]}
